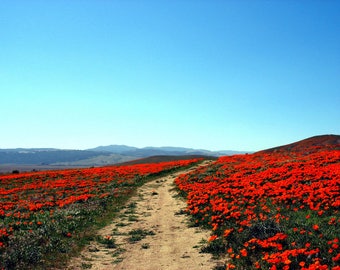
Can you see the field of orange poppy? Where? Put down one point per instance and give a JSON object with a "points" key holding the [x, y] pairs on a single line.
{"points": [[270, 210], [43, 214]]}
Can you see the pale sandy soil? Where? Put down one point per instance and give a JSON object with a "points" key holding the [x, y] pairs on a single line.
{"points": [[169, 242]]}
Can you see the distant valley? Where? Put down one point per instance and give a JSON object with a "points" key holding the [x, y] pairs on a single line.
{"points": [[166, 150], [26, 159]]}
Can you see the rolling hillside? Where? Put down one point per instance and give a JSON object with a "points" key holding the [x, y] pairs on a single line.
{"points": [[23, 159], [165, 150], [308, 145], [45, 156]]}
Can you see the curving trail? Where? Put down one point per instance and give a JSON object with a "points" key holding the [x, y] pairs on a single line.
{"points": [[150, 233]]}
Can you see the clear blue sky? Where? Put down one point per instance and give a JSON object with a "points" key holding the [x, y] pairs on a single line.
{"points": [[241, 75]]}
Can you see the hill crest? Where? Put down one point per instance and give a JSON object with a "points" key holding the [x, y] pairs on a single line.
{"points": [[308, 145]]}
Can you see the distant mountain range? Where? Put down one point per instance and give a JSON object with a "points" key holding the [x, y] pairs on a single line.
{"points": [[166, 150], [49, 158], [101, 155]]}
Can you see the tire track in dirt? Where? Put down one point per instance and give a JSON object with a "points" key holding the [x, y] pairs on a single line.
{"points": [[150, 233]]}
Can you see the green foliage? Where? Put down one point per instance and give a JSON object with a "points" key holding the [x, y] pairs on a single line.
{"points": [[60, 233], [107, 241], [138, 234]]}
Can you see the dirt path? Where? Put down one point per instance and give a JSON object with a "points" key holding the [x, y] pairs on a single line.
{"points": [[150, 233]]}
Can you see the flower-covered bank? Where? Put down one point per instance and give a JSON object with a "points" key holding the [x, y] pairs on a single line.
{"points": [[46, 213], [276, 210]]}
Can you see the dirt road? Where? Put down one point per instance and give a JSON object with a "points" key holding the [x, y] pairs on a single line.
{"points": [[150, 233]]}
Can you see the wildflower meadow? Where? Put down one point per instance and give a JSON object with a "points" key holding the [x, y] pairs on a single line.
{"points": [[46, 215], [270, 210]]}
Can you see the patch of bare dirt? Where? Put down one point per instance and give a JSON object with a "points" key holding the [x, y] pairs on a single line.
{"points": [[150, 233]]}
